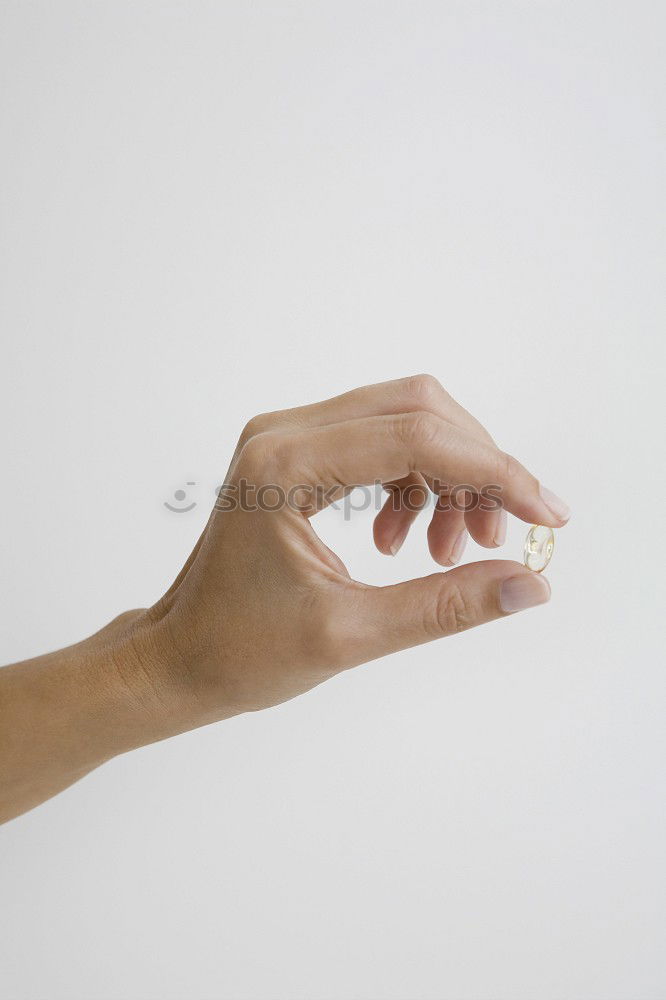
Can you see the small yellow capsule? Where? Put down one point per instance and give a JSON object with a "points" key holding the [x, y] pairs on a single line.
{"points": [[539, 546]]}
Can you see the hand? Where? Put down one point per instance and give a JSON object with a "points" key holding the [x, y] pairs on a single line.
{"points": [[263, 610]]}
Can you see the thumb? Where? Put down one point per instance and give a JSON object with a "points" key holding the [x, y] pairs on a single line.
{"points": [[387, 619]]}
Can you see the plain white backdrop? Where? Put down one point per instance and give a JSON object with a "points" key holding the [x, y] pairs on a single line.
{"points": [[213, 209]]}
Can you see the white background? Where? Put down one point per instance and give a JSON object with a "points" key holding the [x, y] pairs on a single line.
{"points": [[214, 209]]}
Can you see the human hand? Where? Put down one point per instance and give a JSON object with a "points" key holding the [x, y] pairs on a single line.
{"points": [[263, 610]]}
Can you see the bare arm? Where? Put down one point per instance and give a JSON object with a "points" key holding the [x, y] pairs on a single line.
{"points": [[67, 712], [263, 610]]}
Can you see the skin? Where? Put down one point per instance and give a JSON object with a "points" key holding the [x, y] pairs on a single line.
{"points": [[262, 610]]}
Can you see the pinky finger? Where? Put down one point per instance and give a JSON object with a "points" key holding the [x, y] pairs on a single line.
{"points": [[447, 534], [407, 497]]}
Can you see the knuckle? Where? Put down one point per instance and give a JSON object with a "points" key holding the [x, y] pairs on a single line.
{"points": [[508, 467], [256, 425], [453, 611], [269, 457], [423, 389], [259, 455], [415, 429]]}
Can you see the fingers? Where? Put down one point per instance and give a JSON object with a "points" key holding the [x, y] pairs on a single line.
{"points": [[417, 393], [387, 448], [450, 526], [487, 528], [404, 395], [383, 620], [447, 534], [406, 498]]}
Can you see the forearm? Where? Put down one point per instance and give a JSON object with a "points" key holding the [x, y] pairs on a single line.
{"points": [[65, 713]]}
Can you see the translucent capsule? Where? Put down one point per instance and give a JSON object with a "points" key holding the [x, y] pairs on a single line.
{"points": [[539, 546]]}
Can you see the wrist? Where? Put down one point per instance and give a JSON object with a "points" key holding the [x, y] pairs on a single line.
{"points": [[150, 688], [67, 712]]}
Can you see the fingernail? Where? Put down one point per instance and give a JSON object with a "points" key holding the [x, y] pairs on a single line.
{"points": [[556, 506], [459, 547], [396, 544], [524, 591], [500, 529]]}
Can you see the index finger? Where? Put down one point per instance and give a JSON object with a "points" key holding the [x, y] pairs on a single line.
{"points": [[361, 452]]}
